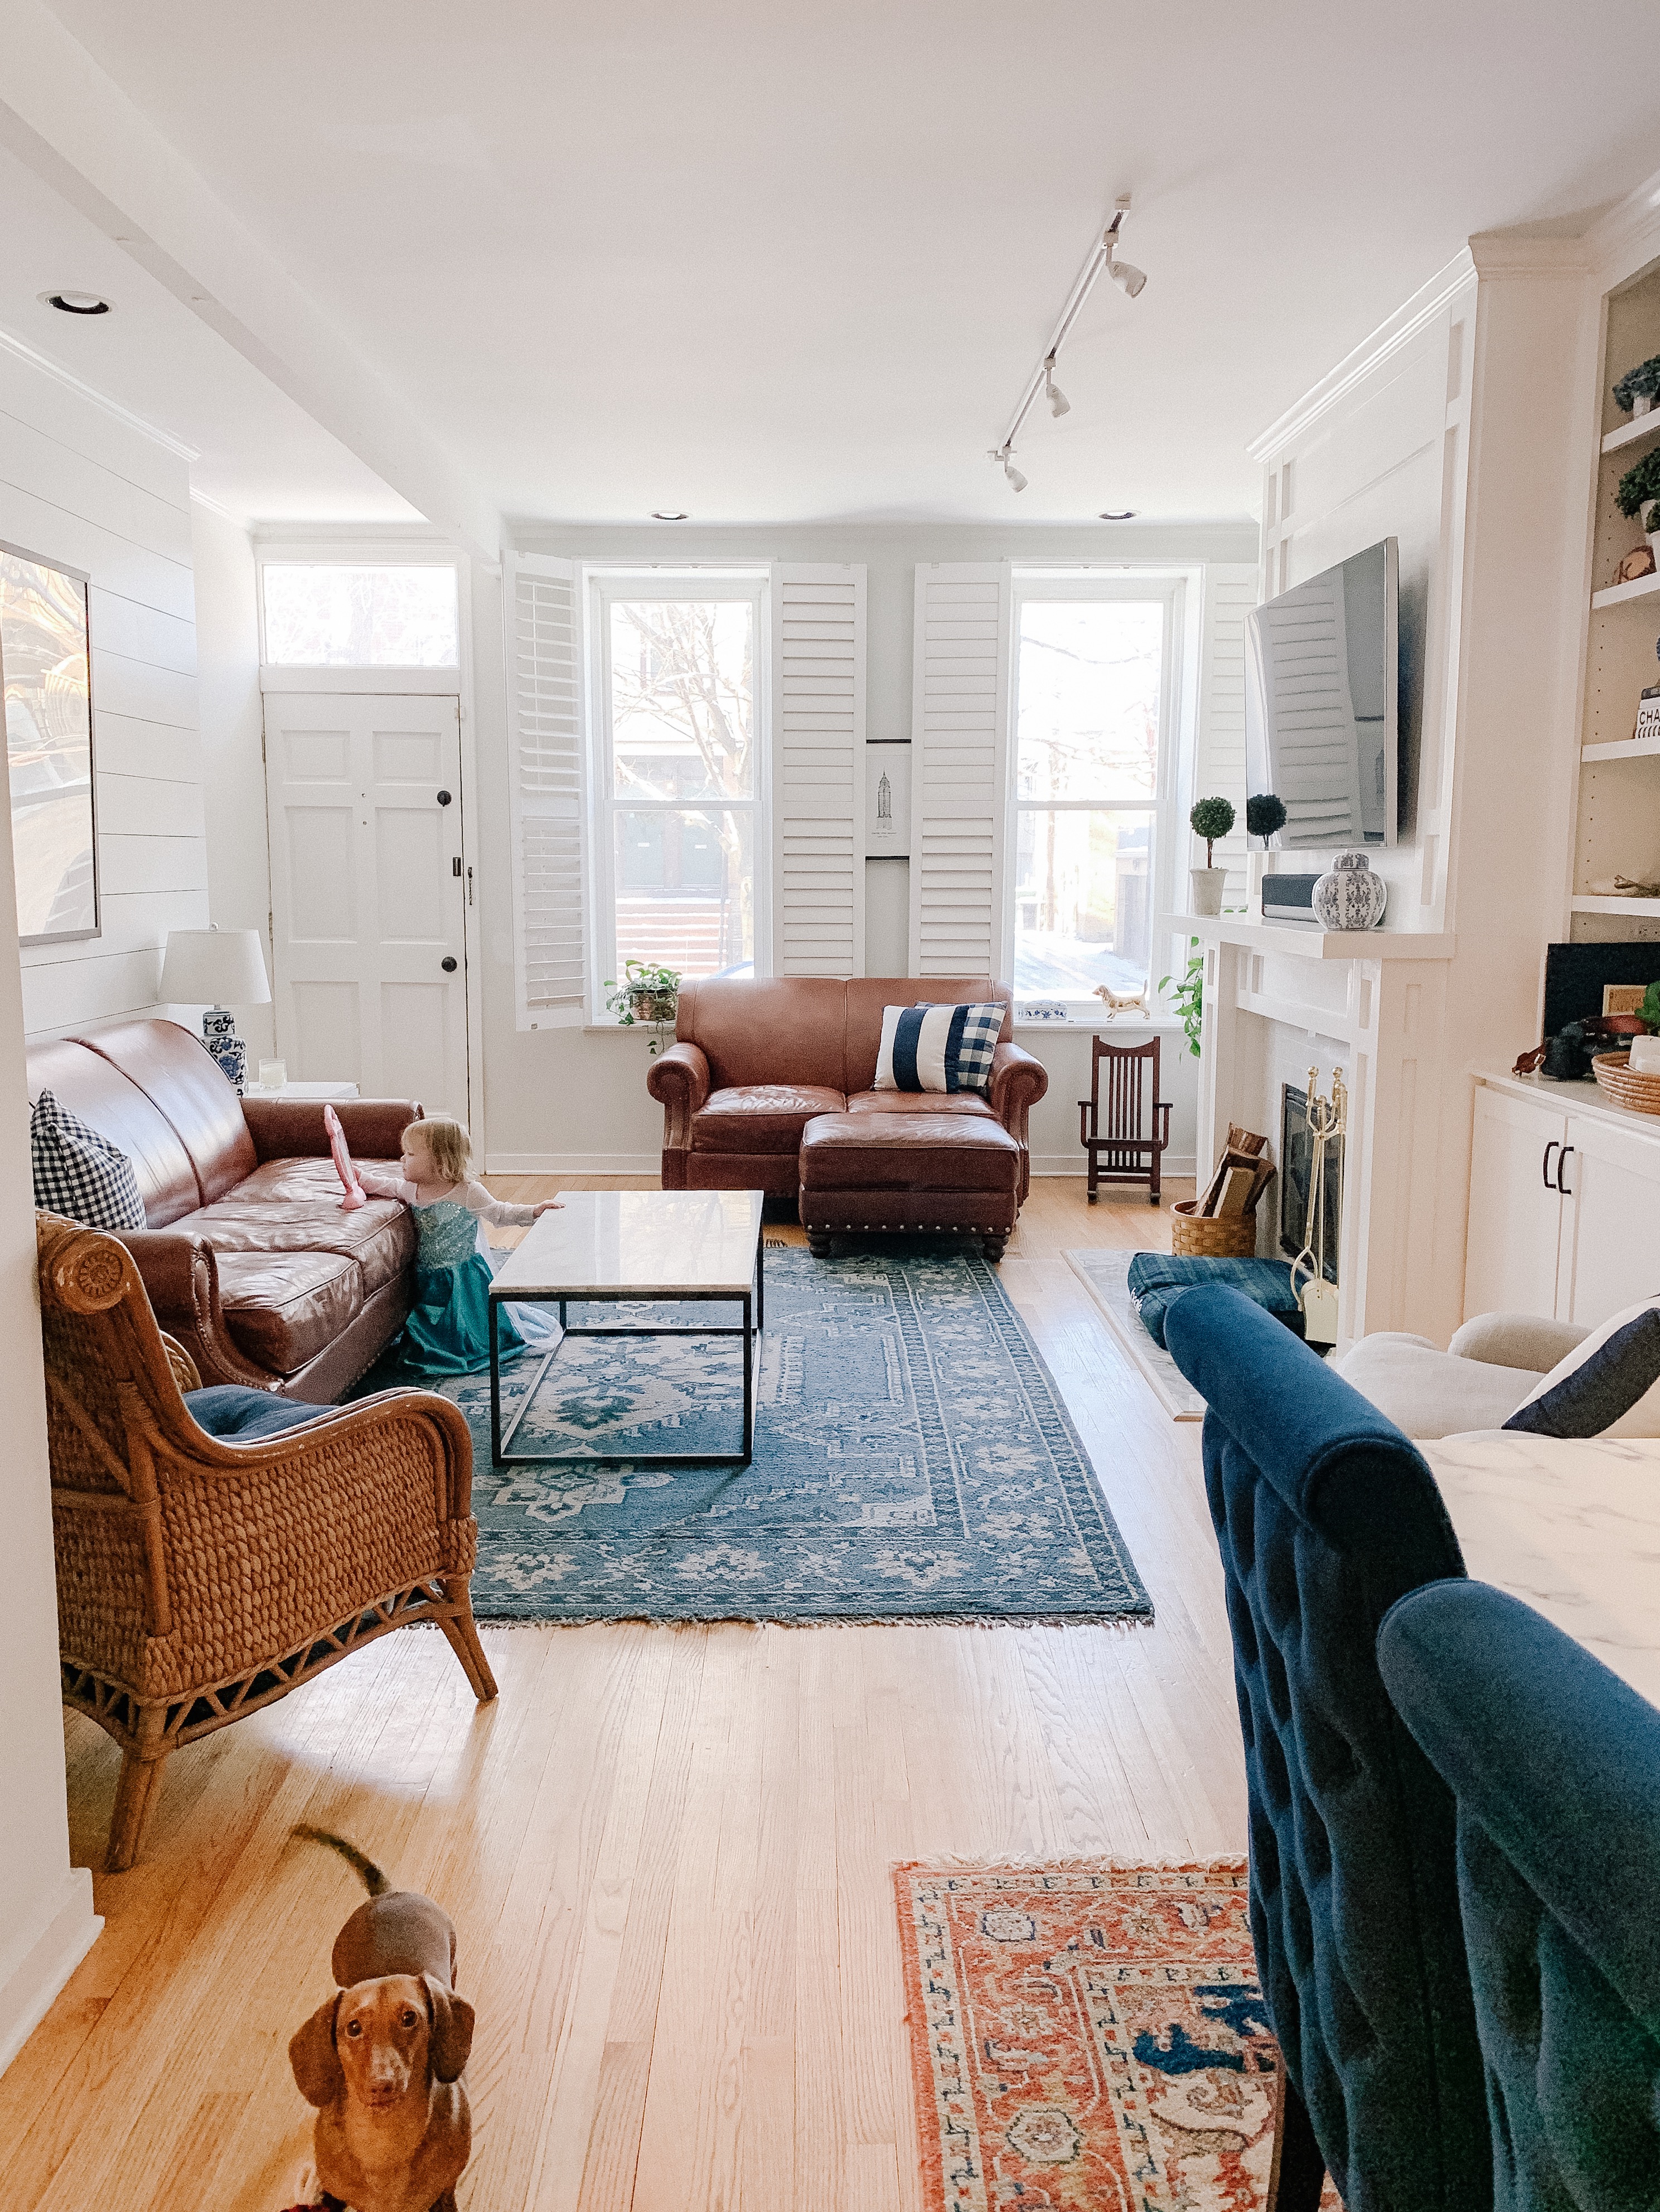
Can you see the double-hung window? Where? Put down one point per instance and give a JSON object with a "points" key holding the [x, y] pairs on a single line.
{"points": [[680, 700], [1092, 782]]}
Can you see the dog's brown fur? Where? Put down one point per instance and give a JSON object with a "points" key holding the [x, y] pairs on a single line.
{"points": [[383, 2059]]}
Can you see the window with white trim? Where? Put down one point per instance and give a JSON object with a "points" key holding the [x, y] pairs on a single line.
{"points": [[680, 724], [359, 614], [1093, 779]]}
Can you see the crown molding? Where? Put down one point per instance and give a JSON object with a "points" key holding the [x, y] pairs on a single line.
{"points": [[1628, 235], [1515, 253], [82, 390], [1402, 326]]}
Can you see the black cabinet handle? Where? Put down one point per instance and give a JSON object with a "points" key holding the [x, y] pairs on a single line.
{"points": [[448, 963], [1561, 1167], [1554, 1145]]}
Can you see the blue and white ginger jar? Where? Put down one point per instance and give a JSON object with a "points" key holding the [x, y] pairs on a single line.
{"points": [[1348, 895]]}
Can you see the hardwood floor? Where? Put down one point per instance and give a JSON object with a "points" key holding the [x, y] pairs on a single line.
{"points": [[666, 1850]]}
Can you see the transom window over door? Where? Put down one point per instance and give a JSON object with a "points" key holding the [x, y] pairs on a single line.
{"points": [[680, 784], [1091, 712]]}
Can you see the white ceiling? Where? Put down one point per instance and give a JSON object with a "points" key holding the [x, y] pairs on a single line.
{"points": [[796, 262]]}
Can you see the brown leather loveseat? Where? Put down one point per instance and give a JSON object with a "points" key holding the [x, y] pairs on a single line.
{"points": [[755, 1066], [246, 1254]]}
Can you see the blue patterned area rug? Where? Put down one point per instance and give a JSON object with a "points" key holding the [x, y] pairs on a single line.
{"points": [[913, 1460]]}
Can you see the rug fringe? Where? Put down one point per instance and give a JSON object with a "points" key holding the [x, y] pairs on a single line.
{"points": [[1119, 1623], [1079, 1863]]}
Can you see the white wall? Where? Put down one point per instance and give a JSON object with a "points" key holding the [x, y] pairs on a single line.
{"points": [[233, 768], [571, 1099], [80, 485], [48, 1922]]}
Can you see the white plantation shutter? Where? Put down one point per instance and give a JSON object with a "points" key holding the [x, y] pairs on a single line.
{"points": [[818, 754], [960, 805], [1231, 592], [544, 777]]}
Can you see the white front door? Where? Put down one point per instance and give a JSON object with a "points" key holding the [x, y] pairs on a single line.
{"points": [[368, 895]]}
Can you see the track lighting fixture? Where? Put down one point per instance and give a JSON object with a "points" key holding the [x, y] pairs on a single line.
{"points": [[1130, 279]]}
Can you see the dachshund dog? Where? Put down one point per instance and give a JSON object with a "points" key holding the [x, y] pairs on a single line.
{"points": [[1123, 1002], [382, 2060]]}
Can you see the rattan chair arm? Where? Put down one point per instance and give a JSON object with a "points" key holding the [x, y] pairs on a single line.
{"points": [[433, 1426]]}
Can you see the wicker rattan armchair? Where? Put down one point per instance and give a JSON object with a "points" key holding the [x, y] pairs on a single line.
{"points": [[199, 1579]]}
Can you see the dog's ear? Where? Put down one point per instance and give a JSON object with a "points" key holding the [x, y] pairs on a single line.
{"points": [[315, 2062], [451, 2041]]}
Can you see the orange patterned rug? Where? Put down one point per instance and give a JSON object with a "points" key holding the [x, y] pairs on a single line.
{"points": [[1088, 2037]]}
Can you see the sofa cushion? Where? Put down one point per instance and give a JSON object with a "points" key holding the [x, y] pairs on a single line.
{"points": [[1429, 1393], [1609, 1386], [97, 1093], [867, 996], [905, 1101], [284, 1308], [760, 1117], [303, 1181], [937, 1049], [79, 1174], [380, 1235], [176, 1071], [909, 1151], [775, 1030]]}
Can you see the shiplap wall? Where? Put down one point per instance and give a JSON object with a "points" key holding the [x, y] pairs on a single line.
{"points": [[79, 486]]}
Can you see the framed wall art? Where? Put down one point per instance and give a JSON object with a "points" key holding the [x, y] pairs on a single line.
{"points": [[887, 798], [46, 668]]}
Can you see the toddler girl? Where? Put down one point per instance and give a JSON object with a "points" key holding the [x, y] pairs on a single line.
{"points": [[447, 1331]]}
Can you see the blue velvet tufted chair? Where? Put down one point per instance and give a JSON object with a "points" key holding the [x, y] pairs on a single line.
{"points": [[1325, 1515], [1555, 1763]]}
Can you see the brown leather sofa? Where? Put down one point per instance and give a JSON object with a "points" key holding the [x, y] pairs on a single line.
{"points": [[754, 1064], [246, 1256]]}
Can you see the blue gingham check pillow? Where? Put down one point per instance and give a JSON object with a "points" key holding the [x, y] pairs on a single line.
{"points": [[79, 1174], [937, 1048]]}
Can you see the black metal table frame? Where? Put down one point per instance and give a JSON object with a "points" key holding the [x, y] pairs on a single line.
{"points": [[754, 1304]]}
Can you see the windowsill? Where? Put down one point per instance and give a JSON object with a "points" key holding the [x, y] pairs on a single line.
{"points": [[1092, 1025]]}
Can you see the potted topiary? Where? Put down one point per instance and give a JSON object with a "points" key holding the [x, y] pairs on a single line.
{"points": [[1211, 818], [1265, 817], [1639, 489], [648, 993], [1639, 387]]}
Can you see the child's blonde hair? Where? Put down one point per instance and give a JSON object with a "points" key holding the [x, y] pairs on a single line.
{"points": [[448, 1146]]}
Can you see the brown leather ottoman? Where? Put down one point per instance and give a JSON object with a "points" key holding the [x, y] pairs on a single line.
{"points": [[912, 1170]]}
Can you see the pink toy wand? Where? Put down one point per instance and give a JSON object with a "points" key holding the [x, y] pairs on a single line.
{"points": [[356, 1195]]}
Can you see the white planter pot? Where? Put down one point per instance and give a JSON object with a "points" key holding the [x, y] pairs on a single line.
{"points": [[1207, 886], [1641, 406]]}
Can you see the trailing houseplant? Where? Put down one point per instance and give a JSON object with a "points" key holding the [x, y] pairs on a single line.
{"points": [[1642, 382], [1211, 818], [647, 993], [1188, 996]]}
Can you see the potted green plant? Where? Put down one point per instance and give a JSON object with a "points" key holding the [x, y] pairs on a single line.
{"points": [[1265, 817], [647, 993], [1211, 818], [1639, 387], [1188, 996], [1639, 487]]}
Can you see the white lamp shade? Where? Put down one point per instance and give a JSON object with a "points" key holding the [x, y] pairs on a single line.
{"points": [[214, 968]]}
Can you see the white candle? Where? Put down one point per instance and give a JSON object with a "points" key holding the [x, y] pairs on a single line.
{"points": [[1645, 1055]]}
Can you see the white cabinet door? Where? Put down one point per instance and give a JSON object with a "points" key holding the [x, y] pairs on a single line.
{"points": [[1515, 1212], [1611, 1248]]}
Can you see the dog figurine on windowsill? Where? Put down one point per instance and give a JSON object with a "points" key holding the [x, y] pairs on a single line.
{"points": [[382, 2060], [1123, 1002]]}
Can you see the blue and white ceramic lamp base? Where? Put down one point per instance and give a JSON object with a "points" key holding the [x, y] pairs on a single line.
{"points": [[231, 1051]]}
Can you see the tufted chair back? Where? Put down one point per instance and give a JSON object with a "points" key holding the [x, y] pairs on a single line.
{"points": [[1555, 1765], [1325, 1515]]}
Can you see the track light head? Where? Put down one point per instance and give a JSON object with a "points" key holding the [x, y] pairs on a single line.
{"points": [[1059, 403], [1128, 279], [1004, 455]]}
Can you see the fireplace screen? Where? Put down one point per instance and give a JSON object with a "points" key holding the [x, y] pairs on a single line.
{"points": [[1296, 1166]]}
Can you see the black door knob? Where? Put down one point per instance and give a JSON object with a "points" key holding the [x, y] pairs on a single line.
{"points": [[448, 963], [443, 798]]}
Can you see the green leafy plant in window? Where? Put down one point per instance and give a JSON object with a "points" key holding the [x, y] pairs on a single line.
{"points": [[647, 993], [1188, 996]]}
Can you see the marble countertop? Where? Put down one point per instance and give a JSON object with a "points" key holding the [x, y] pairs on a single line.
{"points": [[1569, 1526], [637, 1244]]}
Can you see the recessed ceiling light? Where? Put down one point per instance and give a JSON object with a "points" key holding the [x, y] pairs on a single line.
{"points": [[74, 303], [1116, 515], [662, 515]]}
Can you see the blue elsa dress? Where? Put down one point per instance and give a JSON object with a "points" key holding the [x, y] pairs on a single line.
{"points": [[447, 1330]]}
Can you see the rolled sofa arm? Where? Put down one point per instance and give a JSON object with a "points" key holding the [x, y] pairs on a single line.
{"points": [[1516, 1339], [679, 1081], [293, 1128], [1017, 1082], [181, 1275]]}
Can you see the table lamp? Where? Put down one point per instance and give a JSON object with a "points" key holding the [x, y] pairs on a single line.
{"points": [[217, 969]]}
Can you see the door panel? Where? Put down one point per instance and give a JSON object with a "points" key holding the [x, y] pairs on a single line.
{"points": [[366, 904], [1611, 1223], [1514, 1218]]}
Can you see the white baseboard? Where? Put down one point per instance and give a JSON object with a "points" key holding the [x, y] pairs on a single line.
{"points": [[573, 1163], [1072, 1163], [29, 1988]]}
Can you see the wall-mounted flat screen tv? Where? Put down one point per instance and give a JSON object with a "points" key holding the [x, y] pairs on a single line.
{"points": [[1322, 683]]}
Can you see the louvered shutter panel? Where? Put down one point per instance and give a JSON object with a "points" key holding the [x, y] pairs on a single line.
{"points": [[544, 770], [959, 767], [1231, 592], [818, 724]]}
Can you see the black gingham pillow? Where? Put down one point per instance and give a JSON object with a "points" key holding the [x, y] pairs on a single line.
{"points": [[981, 1026], [79, 1174]]}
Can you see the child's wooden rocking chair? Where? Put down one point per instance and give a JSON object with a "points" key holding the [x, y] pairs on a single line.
{"points": [[1130, 1155]]}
